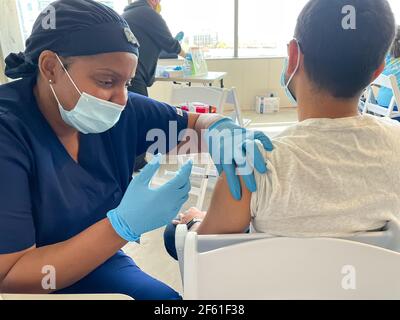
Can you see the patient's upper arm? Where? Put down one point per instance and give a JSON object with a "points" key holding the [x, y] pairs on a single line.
{"points": [[225, 214]]}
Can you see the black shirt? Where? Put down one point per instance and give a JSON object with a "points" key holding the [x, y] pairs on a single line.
{"points": [[153, 35]]}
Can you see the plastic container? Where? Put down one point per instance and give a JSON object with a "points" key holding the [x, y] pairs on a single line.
{"points": [[267, 104], [188, 67], [197, 108], [173, 74]]}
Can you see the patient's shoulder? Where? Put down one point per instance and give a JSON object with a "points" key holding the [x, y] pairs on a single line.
{"points": [[387, 122]]}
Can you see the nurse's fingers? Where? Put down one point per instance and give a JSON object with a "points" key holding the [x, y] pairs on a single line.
{"points": [[216, 157], [254, 156], [183, 200], [182, 177], [184, 190], [246, 168], [150, 170], [233, 181], [170, 216], [181, 203], [219, 167], [176, 194], [250, 182], [265, 141]]}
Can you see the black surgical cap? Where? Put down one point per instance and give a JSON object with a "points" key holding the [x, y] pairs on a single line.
{"points": [[79, 28]]}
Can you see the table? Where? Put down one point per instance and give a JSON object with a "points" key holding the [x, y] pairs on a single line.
{"points": [[209, 79]]}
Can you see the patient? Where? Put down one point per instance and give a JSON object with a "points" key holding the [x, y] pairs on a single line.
{"points": [[392, 68], [337, 172]]}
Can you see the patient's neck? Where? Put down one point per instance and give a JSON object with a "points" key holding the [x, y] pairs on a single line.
{"points": [[315, 104]]}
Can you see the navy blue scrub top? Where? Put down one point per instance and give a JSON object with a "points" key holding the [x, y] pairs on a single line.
{"points": [[45, 196]]}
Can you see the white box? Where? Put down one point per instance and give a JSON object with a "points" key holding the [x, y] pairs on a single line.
{"points": [[267, 104]]}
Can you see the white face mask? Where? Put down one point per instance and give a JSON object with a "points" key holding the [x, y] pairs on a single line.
{"points": [[91, 114]]}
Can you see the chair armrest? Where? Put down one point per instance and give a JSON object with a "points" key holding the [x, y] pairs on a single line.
{"points": [[180, 237]]}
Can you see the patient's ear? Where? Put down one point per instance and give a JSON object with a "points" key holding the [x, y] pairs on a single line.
{"points": [[293, 53], [378, 71]]}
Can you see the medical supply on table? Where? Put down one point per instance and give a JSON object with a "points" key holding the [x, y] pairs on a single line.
{"points": [[200, 67], [260, 105], [193, 65], [267, 104], [169, 71], [198, 107], [188, 68]]}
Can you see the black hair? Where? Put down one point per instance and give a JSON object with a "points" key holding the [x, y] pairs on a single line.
{"points": [[395, 51], [341, 57]]}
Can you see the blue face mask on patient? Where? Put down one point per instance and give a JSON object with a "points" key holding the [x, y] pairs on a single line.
{"points": [[285, 85]]}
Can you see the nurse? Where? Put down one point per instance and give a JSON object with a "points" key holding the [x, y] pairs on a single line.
{"points": [[69, 134]]}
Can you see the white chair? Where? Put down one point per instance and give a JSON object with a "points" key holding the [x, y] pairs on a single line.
{"points": [[216, 97], [208, 95], [202, 174], [212, 96], [64, 297], [232, 99], [371, 106], [258, 266]]}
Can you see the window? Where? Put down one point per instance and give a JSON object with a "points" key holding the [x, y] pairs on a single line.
{"points": [[395, 4], [265, 27], [117, 5], [208, 24], [29, 10]]}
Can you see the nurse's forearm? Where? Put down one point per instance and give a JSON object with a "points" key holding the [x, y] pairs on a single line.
{"points": [[71, 261], [199, 123]]}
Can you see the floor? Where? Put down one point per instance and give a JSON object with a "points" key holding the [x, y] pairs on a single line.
{"points": [[151, 255]]}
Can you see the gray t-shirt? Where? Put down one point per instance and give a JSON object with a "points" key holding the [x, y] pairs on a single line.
{"points": [[330, 177]]}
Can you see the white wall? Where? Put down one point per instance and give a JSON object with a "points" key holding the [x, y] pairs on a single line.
{"points": [[10, 32], [251, 77]]}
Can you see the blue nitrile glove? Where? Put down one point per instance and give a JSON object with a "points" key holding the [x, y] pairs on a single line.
{"points": [[233, 147], [143, 208], [180, 36]]}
